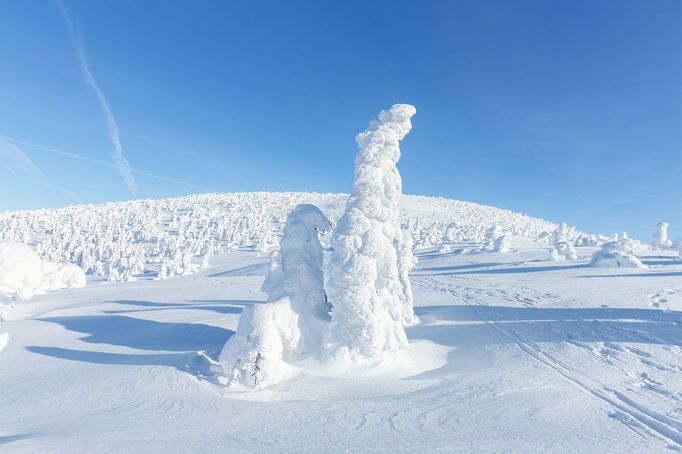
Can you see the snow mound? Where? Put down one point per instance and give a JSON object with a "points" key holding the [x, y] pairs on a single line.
{"points": [[255, 356], [23, 274], [4, 340], [616, 254]]}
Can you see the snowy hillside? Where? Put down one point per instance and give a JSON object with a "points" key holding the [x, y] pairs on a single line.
{"points": [[129, 240], [513, 352]]}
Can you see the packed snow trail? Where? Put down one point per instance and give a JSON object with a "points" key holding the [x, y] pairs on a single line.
{"points": [[629, 412]]}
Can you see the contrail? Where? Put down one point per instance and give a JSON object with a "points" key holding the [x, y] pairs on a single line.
{"points": [[13, 157], [121, 164], [103, 163]]}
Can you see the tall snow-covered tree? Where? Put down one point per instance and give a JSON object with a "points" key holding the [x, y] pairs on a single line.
{"points": [[368, 285], [660, 239]]}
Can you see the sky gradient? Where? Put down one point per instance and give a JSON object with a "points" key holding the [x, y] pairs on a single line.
{"points": [[570, 111]]}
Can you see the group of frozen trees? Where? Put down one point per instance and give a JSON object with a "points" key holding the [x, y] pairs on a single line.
{"points": [[170, 237], [368, 284]]}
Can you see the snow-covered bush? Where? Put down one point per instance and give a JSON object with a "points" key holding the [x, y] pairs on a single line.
{"points": [[23, 274], [502, 244], [292, 324], [563, 251], [659, 240], [616, 254], [371, 297], [491, 237]]}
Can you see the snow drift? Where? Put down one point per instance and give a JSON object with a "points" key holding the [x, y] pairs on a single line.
{"points": [[23, 274], [616, 254]]}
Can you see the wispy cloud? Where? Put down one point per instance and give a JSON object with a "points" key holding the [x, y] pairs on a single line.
{"points": [[121, 164], [13, 140], [16, 160]]}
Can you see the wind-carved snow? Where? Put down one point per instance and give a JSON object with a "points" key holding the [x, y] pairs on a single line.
{"points": [[369, 290]]}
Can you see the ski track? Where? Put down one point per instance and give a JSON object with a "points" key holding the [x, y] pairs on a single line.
{"points": [[642, 419]]}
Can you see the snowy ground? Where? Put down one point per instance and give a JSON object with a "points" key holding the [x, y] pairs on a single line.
{"points": [[513, 354]]}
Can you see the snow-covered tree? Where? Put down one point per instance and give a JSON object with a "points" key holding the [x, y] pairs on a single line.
{"points": [[297, 271], [291, 325], [564, 250], [371, 297], [660, 239], [491, 237], [502, 244]]}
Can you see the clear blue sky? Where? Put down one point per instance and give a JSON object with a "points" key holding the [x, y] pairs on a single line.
{"points": [[568, 110]]}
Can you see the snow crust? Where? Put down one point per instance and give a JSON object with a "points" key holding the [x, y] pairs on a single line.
{"points": [[368, 284]]}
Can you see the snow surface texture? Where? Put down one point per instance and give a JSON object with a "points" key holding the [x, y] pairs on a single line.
{"points": [[23, 274], [616, 254], [293, 323], [528, 357], [368, 285], [4, 340]]}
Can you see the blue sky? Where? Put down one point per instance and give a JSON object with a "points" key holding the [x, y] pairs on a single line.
{"points": [[570, 111]]}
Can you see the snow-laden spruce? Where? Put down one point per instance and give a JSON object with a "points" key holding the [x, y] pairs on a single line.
{"points": [[293, 322], [616, 254], [659, 240], [368, 285]]}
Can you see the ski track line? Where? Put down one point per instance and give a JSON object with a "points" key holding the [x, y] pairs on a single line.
{"points": [[654, 423]]}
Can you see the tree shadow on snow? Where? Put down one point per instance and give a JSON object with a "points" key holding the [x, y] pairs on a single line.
{"points": [[180, 342], [649, 274], [511, 270], [226, 306], [649, 326]]}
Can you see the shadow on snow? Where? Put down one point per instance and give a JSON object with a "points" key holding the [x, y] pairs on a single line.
{"points": [[179, 342]]}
